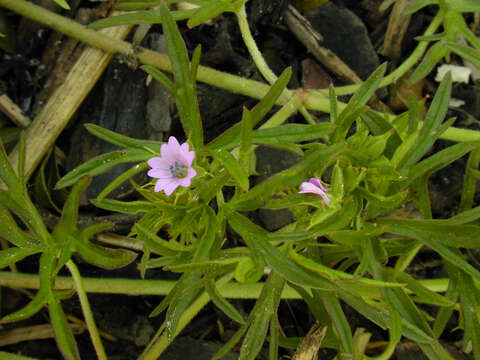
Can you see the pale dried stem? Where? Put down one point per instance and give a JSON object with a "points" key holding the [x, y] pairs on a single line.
{"points": [[13, 112], [396, 30], [65, 101]]}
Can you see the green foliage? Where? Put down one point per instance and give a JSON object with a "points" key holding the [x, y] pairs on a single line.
{"points": [[353, 249]]}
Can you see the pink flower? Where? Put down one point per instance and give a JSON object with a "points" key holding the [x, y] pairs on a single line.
{"points": [[314, 186], [174, 168]]}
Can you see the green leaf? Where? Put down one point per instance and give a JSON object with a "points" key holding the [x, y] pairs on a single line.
{"points": [[124, 207], [464, 5], [255, 238], [419, 5], [63, 4], [261, 315], [231, 137], [467, 52], [158, 245], [435, 162], [314, 161], [161, 78], [69, 218], [185, 96], [336, 275], [292, 133], [186, 290], [211, 226], [441, 231], [439, 237], [120, 140], [388, 202], [141, 17], [63, 334], [429, 131], [11, 232], [422, 294], [103, 257], [340, 323], [103, 163], [222, 303], [134, 170], [12, 255], [209, 11], [7, 173], [436, 52], [356, 104], [248, 271], [47, 264], [470, 181], [469, 296], [234, 168], [246, 132]]}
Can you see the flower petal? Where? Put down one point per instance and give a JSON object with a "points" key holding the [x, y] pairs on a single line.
{"points": [[185, 182], [160, 173], [155, 162], [317, 183], [186, 157], [170, 187], [307, 187]]}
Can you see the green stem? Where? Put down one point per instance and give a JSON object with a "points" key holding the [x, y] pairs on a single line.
{"points": [[87, 312], [252, 47], [163, 287], [259, 60]]}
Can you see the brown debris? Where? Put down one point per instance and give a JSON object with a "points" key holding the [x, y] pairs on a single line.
{"points": [[396, 30], [311, 343]]}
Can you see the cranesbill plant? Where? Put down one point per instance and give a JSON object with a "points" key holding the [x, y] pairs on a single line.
{"points": [[348, 243]]}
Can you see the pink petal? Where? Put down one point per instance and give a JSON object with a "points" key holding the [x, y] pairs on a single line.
{"points": [[317, 183], [185, 182], [170, 187], [169, 151], [191, 173], [159, 173], [307, 187], [173, 142], [155, 162], [186, 157]]}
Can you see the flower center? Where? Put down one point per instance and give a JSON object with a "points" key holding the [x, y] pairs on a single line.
{"points": [[178, 171]]}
